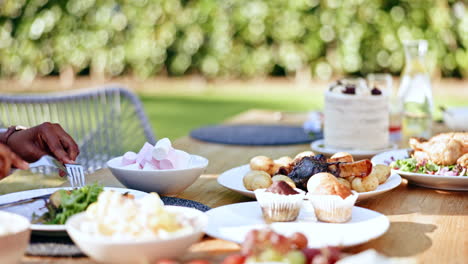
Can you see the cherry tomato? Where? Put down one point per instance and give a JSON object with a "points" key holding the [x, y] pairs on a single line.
{"points": [[198, 261], [166, 261], [234, 259]]}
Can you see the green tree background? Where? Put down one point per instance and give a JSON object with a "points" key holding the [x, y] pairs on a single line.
{"points": [[233, 38]]}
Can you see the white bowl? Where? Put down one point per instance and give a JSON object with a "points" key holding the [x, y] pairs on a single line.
{"points": [[456, 118], [14, 241], [111, 250], [164, 182]]}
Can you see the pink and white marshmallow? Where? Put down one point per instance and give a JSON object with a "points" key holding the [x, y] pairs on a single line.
{"points": [[129, 158]]}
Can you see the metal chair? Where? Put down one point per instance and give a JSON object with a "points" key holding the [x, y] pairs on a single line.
{"points": [[104, 122]]}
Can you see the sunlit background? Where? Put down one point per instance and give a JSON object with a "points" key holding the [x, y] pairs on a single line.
{"points": [[227, 38]]}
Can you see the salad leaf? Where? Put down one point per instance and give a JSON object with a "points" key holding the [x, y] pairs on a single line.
{"points": [[428, 167], [71, 202]]}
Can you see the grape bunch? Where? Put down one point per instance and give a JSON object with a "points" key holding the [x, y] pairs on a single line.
{"points": [[268, 246]]}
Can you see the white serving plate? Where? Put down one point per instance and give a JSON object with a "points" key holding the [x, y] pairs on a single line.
{"points": [[38, 208], [452, 183], [319, 147], [233, 222], [232, 179]]}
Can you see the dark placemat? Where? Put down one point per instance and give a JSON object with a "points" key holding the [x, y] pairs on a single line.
{"points": [[63, 246], [184, 203], [252, 135]]}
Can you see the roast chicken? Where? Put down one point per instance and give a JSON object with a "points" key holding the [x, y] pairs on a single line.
{"points": [[443, 149]]}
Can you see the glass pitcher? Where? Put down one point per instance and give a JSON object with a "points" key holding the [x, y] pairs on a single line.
{"points": [[415, 93]]}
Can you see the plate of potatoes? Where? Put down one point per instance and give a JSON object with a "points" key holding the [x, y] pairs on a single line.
{"points": [[262, 171]]}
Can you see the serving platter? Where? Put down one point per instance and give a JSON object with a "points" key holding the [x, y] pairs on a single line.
{"points": [[452, 183], [37, 207], [232, 179], [319, 147], [232, 222]]}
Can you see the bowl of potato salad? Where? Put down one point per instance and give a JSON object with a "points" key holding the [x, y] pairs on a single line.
{"points": [[121, 229]]}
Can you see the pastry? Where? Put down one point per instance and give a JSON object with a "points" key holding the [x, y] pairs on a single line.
{"points": [[280, 202], [332, 201]]}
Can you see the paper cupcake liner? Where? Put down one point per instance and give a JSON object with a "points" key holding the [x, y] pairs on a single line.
{"points": [[279, 207], [333, 208]]}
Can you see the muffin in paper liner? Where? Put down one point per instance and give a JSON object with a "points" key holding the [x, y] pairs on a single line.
{"points": [[279, 207], [333, 208]]}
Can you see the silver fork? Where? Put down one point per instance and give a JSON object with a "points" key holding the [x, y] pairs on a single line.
{"points": [[76, 175], [75, 172]]}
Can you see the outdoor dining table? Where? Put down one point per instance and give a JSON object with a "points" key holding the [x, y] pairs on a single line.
{"points": [[427, 225]]}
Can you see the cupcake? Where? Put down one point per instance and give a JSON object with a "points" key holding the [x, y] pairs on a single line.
{"points": [[332, 201], [280, 202]]}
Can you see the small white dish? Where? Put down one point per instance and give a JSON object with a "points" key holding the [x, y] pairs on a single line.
{"points": [[233, 222], [37, 207], [14, 237], [452, 183], [111, 250], [165, 182], [456, 118], [319, 147], [232, 179]]}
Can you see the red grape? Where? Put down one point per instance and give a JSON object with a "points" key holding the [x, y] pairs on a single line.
{"points": [[299, 240], [310, 253]]}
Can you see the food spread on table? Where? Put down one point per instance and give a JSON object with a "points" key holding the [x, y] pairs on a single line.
{"points": [[161, 156], [122, 217], [62, 204], [360, 176], [356, 116], [445, 154]]}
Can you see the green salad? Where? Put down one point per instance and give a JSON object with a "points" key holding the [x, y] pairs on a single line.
{"points": [[428, 167], [63, 204]]}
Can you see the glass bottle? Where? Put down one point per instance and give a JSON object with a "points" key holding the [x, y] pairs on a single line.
{"points": [[415, 93]]}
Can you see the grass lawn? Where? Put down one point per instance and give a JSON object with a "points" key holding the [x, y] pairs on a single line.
{"points": [[175, 115]]}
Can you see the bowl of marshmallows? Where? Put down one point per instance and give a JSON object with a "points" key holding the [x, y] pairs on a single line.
{"points": [[159, 168]]}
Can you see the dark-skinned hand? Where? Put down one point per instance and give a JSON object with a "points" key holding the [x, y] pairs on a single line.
{"points": [[45, 139], [9, 159]]}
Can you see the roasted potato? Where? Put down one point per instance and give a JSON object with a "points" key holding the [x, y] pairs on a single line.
{"points": [[284, 161], [341, 157], [303, 154], [257, 180], [365, 184], [344, 182], [263, 163], [284, 178], [381, 172]]}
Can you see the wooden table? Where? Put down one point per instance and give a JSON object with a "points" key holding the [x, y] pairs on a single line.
{"points": [[427, 226]]}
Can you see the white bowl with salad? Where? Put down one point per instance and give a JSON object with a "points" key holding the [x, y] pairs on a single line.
{"points": [[118, 229], [49, 208], [427, 173]]}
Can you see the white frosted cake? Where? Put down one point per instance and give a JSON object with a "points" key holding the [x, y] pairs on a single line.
{"points": [[356, 118]]}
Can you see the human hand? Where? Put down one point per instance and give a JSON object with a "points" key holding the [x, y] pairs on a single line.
{"points": [[44, 139], [9, 159]]}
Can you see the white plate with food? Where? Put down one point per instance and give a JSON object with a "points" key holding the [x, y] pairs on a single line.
{"points": [[232, 222], [262, 171], [33, 210], [232, 179], [318, 146], [444, 182]]}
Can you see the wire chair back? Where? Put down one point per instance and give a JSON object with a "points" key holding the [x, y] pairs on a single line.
{"points": [[105, 122]]}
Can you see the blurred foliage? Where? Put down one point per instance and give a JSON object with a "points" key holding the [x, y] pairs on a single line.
{"points": [[228, 37]]}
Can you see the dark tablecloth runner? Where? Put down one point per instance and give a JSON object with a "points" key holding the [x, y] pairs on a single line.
{"points": [[253, 135]]}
